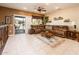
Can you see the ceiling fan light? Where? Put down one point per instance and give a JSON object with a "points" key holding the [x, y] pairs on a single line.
{"points": [[43, 12]]}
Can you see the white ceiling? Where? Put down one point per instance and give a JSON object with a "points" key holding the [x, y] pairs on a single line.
{"points": [[50, 7]]}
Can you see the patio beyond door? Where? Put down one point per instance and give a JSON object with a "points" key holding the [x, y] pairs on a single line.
{"points": [[19, 24]]}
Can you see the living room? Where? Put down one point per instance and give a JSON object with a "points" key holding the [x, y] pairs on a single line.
{"points": [[36, 28]]}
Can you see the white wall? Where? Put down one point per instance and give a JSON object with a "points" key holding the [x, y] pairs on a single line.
{"points": [[71, 13], [28, 23], [60, 22]]}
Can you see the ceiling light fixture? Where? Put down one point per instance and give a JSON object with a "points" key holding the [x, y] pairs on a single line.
{"points": [[57, 8], [25, 8]]}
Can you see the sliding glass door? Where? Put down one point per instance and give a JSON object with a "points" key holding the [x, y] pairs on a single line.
{"points": [[19, 24]]}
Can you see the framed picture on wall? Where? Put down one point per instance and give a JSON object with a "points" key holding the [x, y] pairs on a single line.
{"points": [[8, 19]]}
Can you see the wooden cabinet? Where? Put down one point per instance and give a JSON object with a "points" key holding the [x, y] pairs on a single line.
{"points": [[3, 36]]}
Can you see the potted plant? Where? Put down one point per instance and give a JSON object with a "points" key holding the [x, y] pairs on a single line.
{"points": [[45, 19]]}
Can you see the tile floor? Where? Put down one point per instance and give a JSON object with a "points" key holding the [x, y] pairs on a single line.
{"points": [[24, 44]]}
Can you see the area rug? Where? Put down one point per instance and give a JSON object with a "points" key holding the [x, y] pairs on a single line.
{"points": [[53, 41]]}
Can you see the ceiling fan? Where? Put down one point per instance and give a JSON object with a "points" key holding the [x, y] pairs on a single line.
{"points": [[41, 9]]}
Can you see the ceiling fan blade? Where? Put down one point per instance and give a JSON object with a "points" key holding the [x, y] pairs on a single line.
{"points": [[43, 10]]}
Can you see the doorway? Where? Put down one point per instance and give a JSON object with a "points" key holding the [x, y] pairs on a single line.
{"points": [[19, 24]]}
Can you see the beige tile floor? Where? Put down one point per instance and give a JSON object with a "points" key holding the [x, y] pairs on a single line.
{"points": [[24, 44]]}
